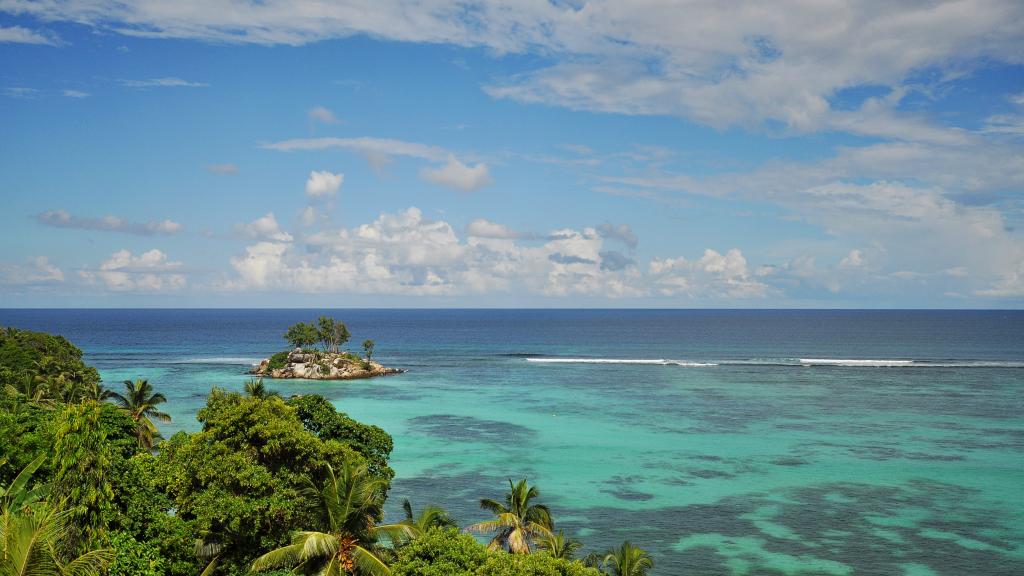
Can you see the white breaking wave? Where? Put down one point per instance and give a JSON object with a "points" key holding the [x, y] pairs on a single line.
{"points": [[854, 362], [806, 362], [657, 361], [219, 360]]}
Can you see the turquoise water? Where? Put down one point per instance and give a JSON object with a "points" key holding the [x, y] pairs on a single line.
{"points": [[762, 443]]}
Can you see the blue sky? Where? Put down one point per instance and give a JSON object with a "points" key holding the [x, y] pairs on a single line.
{"points": [[663, 154]]}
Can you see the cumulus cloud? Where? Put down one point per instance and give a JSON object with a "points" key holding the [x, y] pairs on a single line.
{"points": [[168, 82], [150, 271], [38, 270], [322, 115], [483, 228], [406, 253], [63, 219], [622, 233], [615, 260], [20, 35], [714, 274], [457, 175], [323, 184], [1009, 285], [225, 169], [264, 227]]}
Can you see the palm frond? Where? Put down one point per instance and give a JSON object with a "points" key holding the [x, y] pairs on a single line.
{"points": [[368, 563]]}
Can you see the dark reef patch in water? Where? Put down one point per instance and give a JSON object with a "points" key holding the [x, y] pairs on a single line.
{"points": [[451, 427], [850, 524]]}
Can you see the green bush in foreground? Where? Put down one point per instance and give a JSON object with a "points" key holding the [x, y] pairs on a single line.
{"points": [[134, 558], [447, 552]]}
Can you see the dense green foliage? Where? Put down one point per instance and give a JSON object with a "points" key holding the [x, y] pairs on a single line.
{"points": [[320, 417], [346, 537], [134, 558], [446, 552], [301, 335], [331, 334], [267, 483], [278, 361]]}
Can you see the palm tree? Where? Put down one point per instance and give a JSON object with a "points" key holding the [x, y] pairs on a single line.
{"points": [[32, 534], [430, 517], [352, 503], [18, 496], [140, 401], [558, 545], [517, 521], [626, 560], [31, 388], [97, 391], [31, 540], [256, 389]]}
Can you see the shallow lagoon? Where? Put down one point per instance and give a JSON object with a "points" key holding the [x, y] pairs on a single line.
{"points": [[738, 459]]}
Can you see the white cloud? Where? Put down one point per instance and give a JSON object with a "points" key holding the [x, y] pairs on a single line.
{"points": [[150, 271], [323, 115], [622, 233], [719, 63], [714, 274], [455, 174], [75, 94], [363, 145], [22, 92], [482, 228], [379, 152], [37, 270], [323, 183], [855, 259], [405, 253], [63, 219], [264, 227], [20, 35], [1009, 285], [225, 169], [168, 82]]}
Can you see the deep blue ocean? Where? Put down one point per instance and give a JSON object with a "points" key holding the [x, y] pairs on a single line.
{"points": [[723, 441]]}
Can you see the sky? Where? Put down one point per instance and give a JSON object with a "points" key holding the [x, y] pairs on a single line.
{"points": [[563, 153]]}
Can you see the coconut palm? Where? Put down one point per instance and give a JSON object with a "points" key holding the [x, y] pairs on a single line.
{"points": [[140, 402], [18, 496], [517, 521], [626, 560], [31, 541], [31, 388], [430, 517], [256, 389], [352, 501], [97, 391], [558, 545], [32, 535]]}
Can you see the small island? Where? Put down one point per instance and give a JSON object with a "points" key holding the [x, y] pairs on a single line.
{"points": [[328, 362]]}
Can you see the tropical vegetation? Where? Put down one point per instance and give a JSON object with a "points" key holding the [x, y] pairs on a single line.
{"points": [[267, 485]]}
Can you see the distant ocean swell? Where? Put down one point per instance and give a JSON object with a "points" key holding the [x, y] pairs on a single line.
{"points": [[805, 362]]}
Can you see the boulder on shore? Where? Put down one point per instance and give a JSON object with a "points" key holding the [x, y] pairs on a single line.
{"points": [[316, 365]]}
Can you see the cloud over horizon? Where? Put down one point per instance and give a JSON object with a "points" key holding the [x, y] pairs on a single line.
{"points": [[62, 219]]}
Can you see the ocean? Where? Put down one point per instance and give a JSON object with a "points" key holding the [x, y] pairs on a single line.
{"points": [[722, 441]]}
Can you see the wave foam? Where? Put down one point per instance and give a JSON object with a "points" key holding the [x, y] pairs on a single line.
{"points": [[657, 361], [805, 362], [219, 360]]}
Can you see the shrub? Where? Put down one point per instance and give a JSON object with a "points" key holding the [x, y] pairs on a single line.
{"points": [[440, 553], [134, 558], [278, 361]]}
